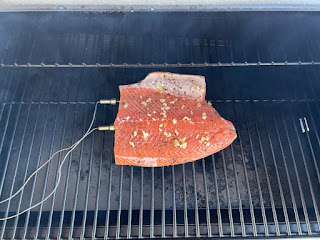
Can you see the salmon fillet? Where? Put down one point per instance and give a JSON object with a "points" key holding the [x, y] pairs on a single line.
{"points": [[164, 120]]}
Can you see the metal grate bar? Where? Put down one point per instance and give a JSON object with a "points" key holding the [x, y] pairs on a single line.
{"points": [[243, 229], [141, 206], [308, 175], [284, 207], [217, 198], [174, 216], [274, 213], [206, 197], [163, 210], [4, 134], [196, 211], [95, 221], [73, 216], [252, 215], [9, 152], [185, 206], [17, 163], [294, 205], [59, 157], [159, 65], [298, 179], [120, 201], [263, 211], [152, 205], [87, 190], [68, 173], [312, 151], [212, 101], [35, 177], [107, 222], [47, 173], [254, 227], [228, 194], [27, 169], [130, 204]]}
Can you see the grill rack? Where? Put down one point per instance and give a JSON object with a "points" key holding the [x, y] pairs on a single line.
{"points": [[31, 113], [169, 218]]}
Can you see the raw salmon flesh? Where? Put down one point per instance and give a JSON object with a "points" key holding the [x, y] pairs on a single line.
{"points": [[165, 120]]}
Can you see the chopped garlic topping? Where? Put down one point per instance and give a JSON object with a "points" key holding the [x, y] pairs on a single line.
{"points": [[185, 118], [160, 129], [174, 121], [145, 134], [197, 87], [162, 100], [127, 118], [144, 103], [165, 108], [199, 104], [182, 140], [204, 115], [209, 103], [154, 112], [153, 119], [125, 105], [183, 106], [176, 132], [176, 143], [148, 114], [191, 112], [167, 134], [163, 114], [161, 125], [140, 96], [208, 144], [183, 145], [199, 99], [148, 100], [134, 133], [132, 144], [197, 136], [159, 87]]}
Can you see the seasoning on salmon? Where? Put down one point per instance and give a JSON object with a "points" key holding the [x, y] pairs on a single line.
{"points": [[172, 137]]}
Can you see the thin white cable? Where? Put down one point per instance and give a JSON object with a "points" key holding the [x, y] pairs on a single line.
{"points": [[72, 147]]}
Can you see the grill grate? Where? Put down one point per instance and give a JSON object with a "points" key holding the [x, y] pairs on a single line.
{"points": [[265, 184]]}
